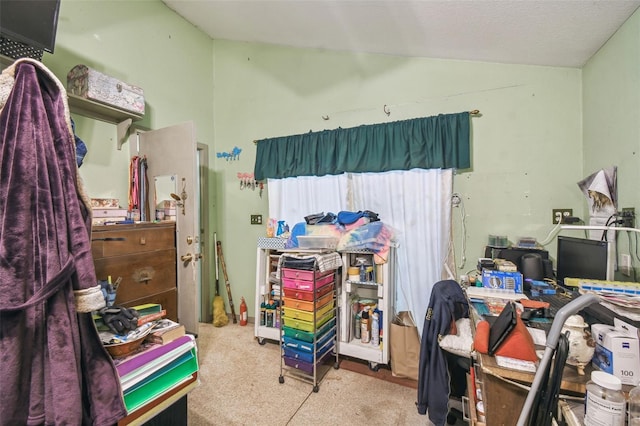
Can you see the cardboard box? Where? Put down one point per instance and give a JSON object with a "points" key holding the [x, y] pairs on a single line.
{"points": [[617, 351], [502, 280]]}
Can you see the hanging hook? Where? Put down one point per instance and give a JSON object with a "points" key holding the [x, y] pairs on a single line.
{"points": [[386, 110], [325, 117]]}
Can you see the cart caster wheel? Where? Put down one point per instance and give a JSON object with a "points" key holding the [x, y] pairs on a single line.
{"points": [[336, 366], [373, 366], [261, 341], [281, 379], [316, 388]]}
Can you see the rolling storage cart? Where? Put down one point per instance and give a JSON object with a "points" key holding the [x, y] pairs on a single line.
{"points": [[308, 332], [375, 288]]}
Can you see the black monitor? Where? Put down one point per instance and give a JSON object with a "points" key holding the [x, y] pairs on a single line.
{"points": [[583, 258], [32, 22]]}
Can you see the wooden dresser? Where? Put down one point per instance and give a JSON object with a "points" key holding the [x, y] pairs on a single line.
{"points": [[144, 255]]}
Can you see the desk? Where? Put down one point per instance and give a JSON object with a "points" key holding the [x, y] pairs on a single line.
{"points": [[503, 400]]}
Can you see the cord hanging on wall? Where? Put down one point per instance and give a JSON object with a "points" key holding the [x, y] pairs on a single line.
{"points": [[325, 117], [386, 110]]}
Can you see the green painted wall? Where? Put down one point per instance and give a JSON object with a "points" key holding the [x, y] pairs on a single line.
{"points": [[526, 145], [145, 44], [528, 148], [611, 90]]}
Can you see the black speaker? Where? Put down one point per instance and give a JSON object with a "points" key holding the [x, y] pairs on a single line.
{"points": [[531, 266]]}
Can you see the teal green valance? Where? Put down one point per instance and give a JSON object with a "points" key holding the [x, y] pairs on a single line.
{"points": [[441, 141]]}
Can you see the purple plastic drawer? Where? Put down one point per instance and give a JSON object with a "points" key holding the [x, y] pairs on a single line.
{"points": [[307, 367]]}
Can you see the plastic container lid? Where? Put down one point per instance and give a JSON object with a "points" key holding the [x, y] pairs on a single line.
{"points": [[606, 380]]}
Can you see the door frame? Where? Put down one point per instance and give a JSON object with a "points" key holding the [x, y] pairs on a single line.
{"points": [[206, 313]]}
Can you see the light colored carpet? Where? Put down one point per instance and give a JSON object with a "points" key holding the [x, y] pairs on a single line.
{"points": [[239, 386]]}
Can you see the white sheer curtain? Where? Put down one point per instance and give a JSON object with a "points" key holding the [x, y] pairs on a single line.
{"points": [[292, 199], [416, 203]]}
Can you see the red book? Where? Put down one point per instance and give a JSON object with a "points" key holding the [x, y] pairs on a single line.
{"points": [[151, 317]]}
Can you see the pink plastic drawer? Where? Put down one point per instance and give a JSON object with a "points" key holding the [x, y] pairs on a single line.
{"points": [[302, 274], [307, 305], [300, 284], [293, 293]]}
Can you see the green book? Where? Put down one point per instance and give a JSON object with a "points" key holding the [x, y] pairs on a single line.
{"points": [[162, 381], [148, 308]]}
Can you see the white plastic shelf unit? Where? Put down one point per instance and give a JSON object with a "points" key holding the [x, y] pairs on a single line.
{"points": [[309, 328], [267, 287], [380, 290]]}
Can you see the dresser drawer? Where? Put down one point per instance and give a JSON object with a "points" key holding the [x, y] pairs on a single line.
{"points": [[142, 274], [167, 299], [110, 241]]}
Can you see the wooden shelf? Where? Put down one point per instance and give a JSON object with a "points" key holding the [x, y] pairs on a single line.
{"points": [[88, 108], [102, 112], [96, 110]]}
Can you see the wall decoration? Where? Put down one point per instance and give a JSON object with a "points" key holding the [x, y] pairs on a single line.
{"points": [[248, 181], [232, 155]]}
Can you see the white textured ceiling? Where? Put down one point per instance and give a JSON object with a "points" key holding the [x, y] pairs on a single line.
{"points": [[537, 32]]}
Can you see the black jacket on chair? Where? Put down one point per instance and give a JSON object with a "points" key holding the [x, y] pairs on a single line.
{"points": [[448, 303]]}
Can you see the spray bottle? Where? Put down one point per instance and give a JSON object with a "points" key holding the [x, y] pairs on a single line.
{"points": [[375, 329]]}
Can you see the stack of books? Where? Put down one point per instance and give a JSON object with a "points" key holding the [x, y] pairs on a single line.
{"points": [[156, 369], [105, 211], [161, 367]]}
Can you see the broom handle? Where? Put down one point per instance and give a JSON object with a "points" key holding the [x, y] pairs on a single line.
{"points": [[215, 255], [226, 280]]}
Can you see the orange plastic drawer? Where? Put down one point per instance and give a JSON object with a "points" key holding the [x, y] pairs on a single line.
{"points": [[308, 295], [306, 305]]}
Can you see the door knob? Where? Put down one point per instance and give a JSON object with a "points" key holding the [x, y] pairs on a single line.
{"points": [[186, 257]]}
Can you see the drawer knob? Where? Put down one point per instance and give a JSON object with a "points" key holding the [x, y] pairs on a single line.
{"points": [[144, 275]]}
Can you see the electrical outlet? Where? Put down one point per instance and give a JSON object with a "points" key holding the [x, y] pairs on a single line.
{"points": [[628, 216], [559, 215], [256, 219]]}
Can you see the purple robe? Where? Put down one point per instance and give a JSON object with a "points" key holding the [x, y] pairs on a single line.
{"points": [[53, 366]]}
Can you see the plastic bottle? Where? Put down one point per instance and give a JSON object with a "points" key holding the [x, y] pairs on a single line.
{"points": [[263, 313], [365, 336], [363, 273], [634, 407], [357, 327], [604, 400], [270, 314], [375, 329]]}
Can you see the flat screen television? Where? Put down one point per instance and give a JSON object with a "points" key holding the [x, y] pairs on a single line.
{"points": [[32, 22], [583, 258]]}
